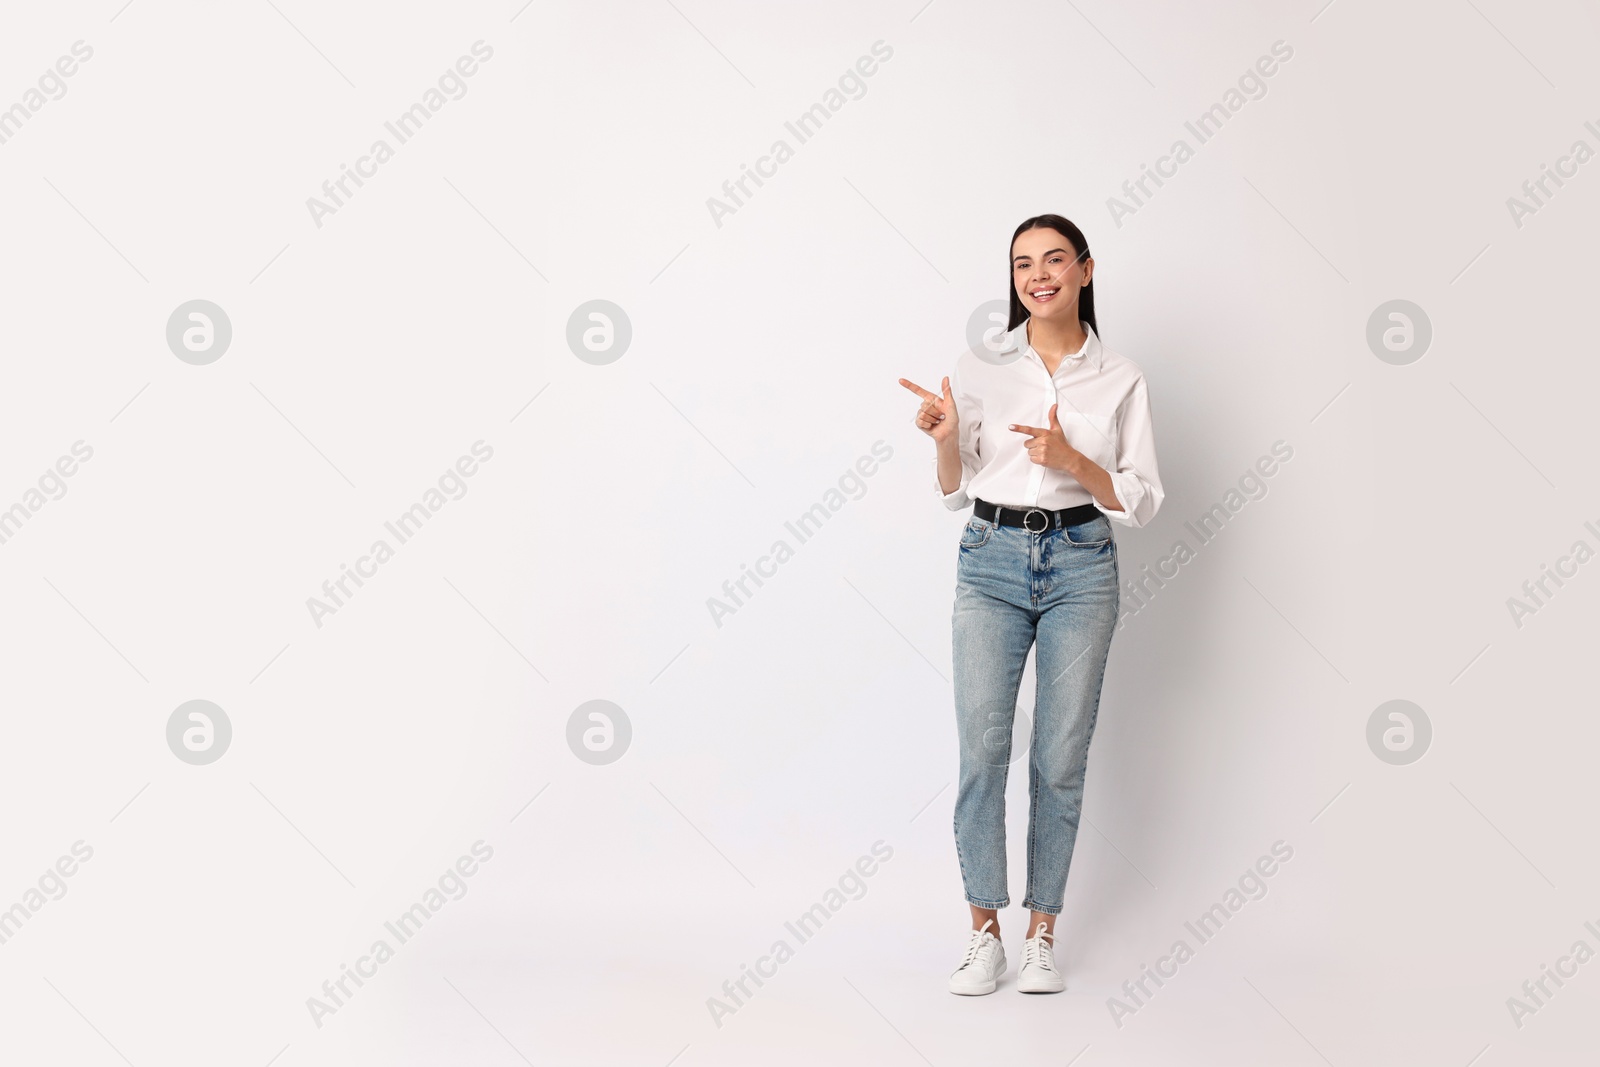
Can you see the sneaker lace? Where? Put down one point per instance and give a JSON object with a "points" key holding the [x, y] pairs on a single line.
{"points": [[981, 943], [1037, 949]]}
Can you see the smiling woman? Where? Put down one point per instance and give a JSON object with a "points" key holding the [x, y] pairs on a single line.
{"points": [[1049, 439]]}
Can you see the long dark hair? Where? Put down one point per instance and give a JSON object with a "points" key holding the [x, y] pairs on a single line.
{"points": [[1080, 244]]}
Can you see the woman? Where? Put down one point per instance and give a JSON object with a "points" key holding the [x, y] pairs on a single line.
{"points": [[1048, 437]]}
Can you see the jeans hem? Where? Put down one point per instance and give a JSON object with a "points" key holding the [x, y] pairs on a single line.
{"points": [[1043, 909], [992, 906]]}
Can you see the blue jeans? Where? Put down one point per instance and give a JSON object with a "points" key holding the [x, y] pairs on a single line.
{"points": [[1013, 587]]}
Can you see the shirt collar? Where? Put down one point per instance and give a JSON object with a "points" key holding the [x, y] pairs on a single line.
{"points": [[1091, 351]]}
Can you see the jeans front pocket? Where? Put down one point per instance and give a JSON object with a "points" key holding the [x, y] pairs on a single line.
{"points": [[1096, 533], [975, 534]]}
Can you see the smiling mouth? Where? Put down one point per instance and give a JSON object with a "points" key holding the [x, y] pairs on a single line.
{"points": [[1043, 295]]}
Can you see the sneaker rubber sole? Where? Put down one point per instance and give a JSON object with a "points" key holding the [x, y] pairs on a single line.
{"points": [[1042, 984]]}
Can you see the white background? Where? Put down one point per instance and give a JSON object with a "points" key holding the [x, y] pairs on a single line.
{"points": [[770, 752]]}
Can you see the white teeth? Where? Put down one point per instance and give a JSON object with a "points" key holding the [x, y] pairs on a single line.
{"points": [[1037, 293]]}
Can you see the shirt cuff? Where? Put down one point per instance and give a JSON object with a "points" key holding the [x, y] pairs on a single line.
{"points": [[1133, 495], [956, 500]]}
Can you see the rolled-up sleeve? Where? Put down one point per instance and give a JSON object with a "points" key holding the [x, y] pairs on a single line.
{"points": [[1137, 480], [969, 417]]}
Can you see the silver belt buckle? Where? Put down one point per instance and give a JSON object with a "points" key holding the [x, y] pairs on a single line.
{"points": [[1031, 512]]}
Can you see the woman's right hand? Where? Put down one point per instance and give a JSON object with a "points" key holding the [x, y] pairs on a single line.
{"points": [[937, 415]]}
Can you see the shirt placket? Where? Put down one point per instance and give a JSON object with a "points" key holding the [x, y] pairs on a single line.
{"points": [[1037, 474]]}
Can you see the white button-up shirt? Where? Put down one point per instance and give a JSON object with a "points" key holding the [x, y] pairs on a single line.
{"points": [[1104, 410]]}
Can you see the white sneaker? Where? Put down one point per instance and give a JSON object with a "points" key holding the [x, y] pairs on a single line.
{"points": [[1039, 974], [982, 966]]}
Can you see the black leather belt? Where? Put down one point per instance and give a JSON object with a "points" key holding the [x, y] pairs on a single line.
{"points": [[1035, 520]]}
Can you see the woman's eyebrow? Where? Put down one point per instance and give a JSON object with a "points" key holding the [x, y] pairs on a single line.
{"points": [[1052, 252]]}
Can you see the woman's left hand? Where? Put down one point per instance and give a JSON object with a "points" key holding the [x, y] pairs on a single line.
{"points": [[1047, 445]]}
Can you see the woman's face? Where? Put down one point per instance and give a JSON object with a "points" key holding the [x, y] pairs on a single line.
{"points": [[1046, 274]]}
